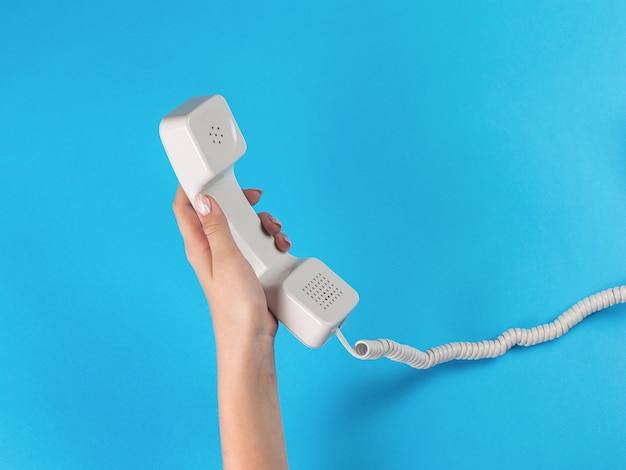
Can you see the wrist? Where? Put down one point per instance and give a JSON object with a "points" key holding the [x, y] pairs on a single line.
{"points": [[256, 350], [249, 325]]}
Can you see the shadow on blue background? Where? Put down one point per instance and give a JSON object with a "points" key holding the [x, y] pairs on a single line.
{"points": [[462, 165]]}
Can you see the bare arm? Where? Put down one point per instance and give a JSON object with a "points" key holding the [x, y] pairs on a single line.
{"points": [[249, 412]]}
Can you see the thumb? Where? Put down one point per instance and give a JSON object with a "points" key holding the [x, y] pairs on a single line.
{"points": [[215, 227]]}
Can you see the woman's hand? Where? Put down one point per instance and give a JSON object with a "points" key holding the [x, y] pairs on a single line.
{"points": [[236, 298]]}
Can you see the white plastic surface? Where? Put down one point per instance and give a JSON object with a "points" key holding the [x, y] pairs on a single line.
{"points": [[375, 349], [203, 142]]}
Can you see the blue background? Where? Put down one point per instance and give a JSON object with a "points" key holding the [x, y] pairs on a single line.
{"points": [[461, 164]]}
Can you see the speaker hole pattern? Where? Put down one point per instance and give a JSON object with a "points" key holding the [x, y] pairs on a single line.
{"points": [[322, 291], [216, 135]]}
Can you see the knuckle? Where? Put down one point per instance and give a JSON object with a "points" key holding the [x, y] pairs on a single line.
{"points": [[210, 230]]}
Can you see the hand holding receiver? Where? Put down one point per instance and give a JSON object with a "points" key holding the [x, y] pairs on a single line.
{"points": [[203, 142]]}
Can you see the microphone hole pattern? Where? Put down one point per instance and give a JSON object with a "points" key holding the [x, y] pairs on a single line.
{"points": [[322, 291], [216, 135]]}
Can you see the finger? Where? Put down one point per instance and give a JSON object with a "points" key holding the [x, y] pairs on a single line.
{"points": [[196, 244], [215, 228], [282, 242], [270, 224], [252, 195]]}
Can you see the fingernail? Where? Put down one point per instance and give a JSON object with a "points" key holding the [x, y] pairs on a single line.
{"points": [[202, 204], [286, 239], [276, 221]]}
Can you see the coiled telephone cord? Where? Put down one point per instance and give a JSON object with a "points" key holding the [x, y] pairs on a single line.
{"points": [[375, 349]]}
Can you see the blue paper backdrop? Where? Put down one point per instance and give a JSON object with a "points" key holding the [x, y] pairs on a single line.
{"points": [[461, 164]]}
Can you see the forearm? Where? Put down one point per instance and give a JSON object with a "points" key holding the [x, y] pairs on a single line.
{"points": [[250, 420]]}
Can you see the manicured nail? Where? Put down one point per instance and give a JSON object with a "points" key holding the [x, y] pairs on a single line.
{"points": [[276, 221], [202, 204], [286, 239]]}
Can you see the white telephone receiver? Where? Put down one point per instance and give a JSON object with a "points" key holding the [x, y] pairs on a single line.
{"points": [[203, 142]]}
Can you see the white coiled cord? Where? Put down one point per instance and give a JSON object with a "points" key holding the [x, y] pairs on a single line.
{"points": [[375, 349]]}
